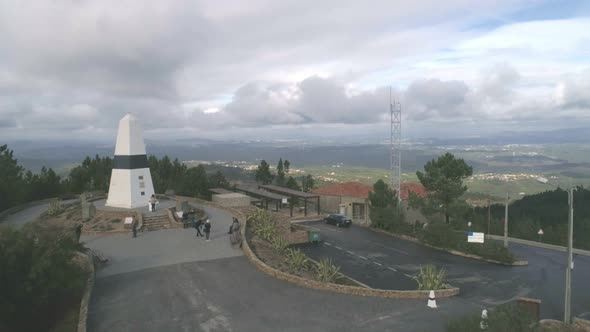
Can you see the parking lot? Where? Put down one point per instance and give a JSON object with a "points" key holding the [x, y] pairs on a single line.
{"points": [[382, 261]]}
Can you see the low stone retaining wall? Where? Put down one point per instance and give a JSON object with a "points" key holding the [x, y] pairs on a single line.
{"points": [[83, 315], [453, 252], [351, 290]]}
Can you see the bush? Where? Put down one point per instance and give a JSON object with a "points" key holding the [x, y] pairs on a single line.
{"points": [[296, 260], [490, 249], [430, 278], [39, 277], [507, 317], [279, 245], [443, 236], [388, 218], [55, 208], [326, 271], [263, 223], [440, 235]]}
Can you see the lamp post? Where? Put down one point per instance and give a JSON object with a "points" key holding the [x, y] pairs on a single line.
{"points": [[570, 243]]}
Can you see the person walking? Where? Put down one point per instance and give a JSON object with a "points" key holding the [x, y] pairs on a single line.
{"points": [[198, 225], [234, 220], [153, 202], [207, 229]]}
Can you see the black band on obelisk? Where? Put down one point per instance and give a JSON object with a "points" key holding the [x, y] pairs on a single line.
{"points": [[130, 162]]}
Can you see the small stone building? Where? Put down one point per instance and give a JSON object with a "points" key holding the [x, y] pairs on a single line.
{"points": [[351, 199]]}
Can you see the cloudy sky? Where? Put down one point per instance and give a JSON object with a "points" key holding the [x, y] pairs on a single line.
{"points": [[291, 69]]}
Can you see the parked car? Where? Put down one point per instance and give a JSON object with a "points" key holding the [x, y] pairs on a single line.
{"points": [[339, 220]]}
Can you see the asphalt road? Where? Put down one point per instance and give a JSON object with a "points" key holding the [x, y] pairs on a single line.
{"points": [[382, 261], [231, 295], [171, 281], [19, 219]]}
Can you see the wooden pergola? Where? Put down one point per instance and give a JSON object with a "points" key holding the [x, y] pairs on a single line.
{"points": [[294, 194], [265, 196]]}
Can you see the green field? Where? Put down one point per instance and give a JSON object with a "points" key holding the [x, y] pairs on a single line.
{"points": [[494, 189]]}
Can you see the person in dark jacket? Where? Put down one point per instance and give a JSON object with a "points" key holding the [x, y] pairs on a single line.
{"points": [[198, 225], [134, 227], [207, 229]]}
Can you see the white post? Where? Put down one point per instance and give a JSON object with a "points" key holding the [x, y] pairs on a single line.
{"points": [[568, 271]]}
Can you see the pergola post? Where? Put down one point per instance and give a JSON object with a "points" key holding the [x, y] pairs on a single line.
{"points": [[305, 206], [291, 206], [318, 206]]}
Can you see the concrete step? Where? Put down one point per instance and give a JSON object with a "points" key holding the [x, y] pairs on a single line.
{"points": [[154, 223]]}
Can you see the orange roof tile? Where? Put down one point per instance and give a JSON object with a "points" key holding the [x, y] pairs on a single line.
{"points": [[351, 189], [361, 190], [416, 188]]}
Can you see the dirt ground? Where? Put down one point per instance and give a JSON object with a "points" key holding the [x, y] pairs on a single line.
{"points": [[71, 217]]}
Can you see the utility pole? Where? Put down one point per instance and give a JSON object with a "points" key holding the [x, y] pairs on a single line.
{"points": [[568, 272], [489, 218], [506, 222]]}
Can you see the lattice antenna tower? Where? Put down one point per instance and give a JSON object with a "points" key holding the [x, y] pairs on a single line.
{"points": [[396, 140]]}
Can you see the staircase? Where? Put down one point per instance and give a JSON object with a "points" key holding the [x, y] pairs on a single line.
{"points": [[156, 222]]}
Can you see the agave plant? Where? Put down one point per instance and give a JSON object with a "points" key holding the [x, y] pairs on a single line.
{"points": [[296, 260], [55, 208], [279, 245], [430, 278], [326, 271]]}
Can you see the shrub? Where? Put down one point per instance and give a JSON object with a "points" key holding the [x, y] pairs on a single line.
{"points": [[296, 260], [490, 249], [39, 277], [279, 245], [507, 317], [55, 208], [430, 278], [440, 235], [263, 223], [326, 271]]}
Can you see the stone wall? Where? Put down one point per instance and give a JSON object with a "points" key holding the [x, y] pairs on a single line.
{"points": [[83, 316], [231, 200]]}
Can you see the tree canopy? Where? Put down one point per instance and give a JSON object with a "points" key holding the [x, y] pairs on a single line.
{"points": [[383, 209], [263, 174], [443, 178]]}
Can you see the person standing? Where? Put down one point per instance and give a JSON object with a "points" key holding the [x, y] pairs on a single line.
{"points": [[153, 202], [207, 229], [198, 225], [134, 228]]}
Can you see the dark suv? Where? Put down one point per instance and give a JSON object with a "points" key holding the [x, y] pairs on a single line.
{"points": [[338, 220]]}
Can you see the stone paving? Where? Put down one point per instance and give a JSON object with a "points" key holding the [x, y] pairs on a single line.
{"points": [[164, 247]]}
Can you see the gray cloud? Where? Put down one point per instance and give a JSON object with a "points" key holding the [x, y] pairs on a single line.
{"points": [[574, 91], [80, 66], [434, 98]]}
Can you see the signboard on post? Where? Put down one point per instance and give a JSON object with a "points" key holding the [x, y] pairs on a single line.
{"points": [[475, 237]]}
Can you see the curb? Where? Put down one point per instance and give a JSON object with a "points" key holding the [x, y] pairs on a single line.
{"points": [[83, 314], [452, 252], [350, 290]]}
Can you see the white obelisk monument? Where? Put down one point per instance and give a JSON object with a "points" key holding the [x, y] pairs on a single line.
{"points": [[131, 182]]}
